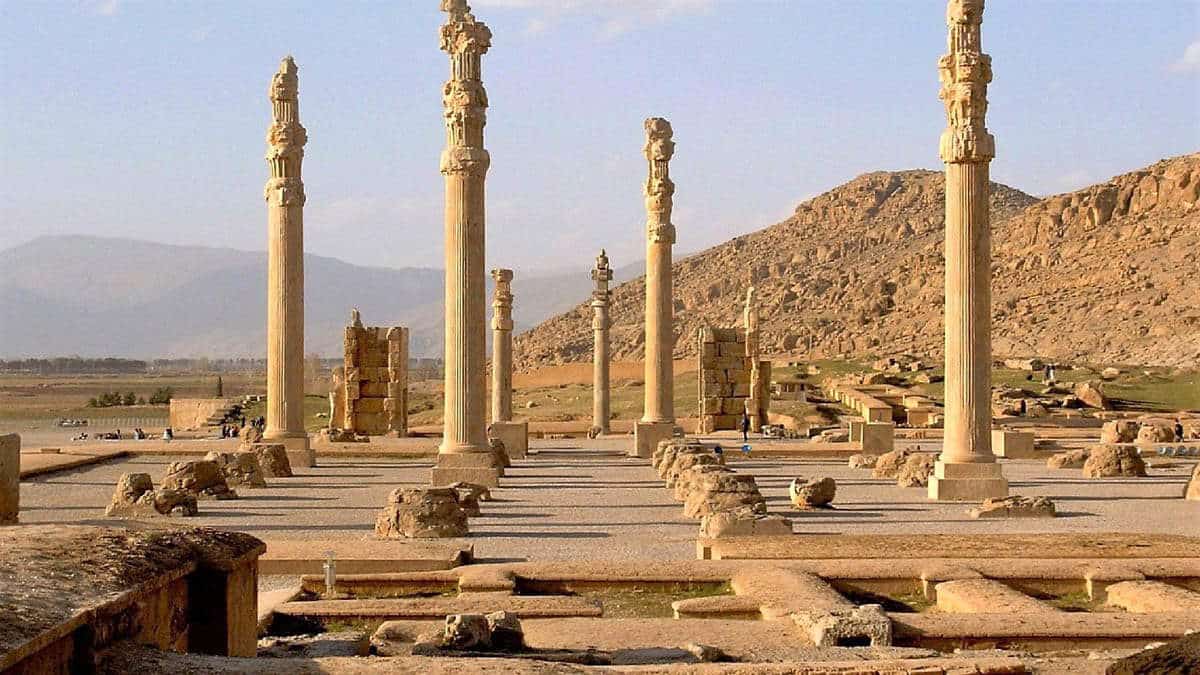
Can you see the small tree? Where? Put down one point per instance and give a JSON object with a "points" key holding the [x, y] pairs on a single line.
{"points": [[220, 387], [130, 398], [162, 396], [93, 402]]}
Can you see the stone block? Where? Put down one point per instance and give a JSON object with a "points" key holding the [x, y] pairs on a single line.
{"points": [[856, 430], [878, 437], [647, 435], [1013, 444], [10, 478], [514, 435], [422, 513], [743, 523], [856, 626], [467, 467], [967, 482], [299, 452]]}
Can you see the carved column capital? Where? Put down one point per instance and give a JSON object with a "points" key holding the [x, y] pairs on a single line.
{"points": [[965, 73]]}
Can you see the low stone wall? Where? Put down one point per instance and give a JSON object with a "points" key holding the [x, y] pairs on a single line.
{"points": [[193, 413], [81, 590]]}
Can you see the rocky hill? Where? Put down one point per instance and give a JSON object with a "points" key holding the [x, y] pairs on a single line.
{"points": [[1108, 273]]}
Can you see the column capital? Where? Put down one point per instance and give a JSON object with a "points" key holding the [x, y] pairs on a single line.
{"points": [[965, 73]]}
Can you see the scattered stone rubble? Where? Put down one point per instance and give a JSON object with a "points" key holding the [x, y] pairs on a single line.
{"points": [[1108, 461], [469, 496], [812, 493], [727, 503], [888, 464], [204, 479], [495, 632], [917, 469], [241, 469], [1072, 459], [422, 513], [135, 497], [1014, 506], [863, 461]]}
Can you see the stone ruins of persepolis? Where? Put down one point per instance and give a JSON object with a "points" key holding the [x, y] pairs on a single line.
{"points": [[601, 295], [514, 435], [465, 453], [284, 193], [658, 417], [967, 469]]}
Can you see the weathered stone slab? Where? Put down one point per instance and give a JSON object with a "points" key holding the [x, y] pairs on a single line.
{"points": [[1013, 444], [975, 596], [1108, 461], [1152, 596], [522, 607]]}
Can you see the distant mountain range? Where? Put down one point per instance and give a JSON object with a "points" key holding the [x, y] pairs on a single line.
{"points": [[95, 296], [1105, 274]]}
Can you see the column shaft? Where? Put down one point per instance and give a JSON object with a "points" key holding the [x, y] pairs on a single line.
{"points": [[465, 427], [660, 342], [968, 315], [601, 406]]}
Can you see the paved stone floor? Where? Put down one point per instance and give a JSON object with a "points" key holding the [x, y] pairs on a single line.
{"points": [[594, 503]]}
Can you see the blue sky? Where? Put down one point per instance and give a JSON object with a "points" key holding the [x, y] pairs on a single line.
{"points": [[147, 119]]}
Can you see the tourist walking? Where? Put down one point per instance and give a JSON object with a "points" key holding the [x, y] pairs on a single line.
{"points": [[745, 427]]}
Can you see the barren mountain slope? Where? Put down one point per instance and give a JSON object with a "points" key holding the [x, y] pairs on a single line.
{"points": [[858, 270]]}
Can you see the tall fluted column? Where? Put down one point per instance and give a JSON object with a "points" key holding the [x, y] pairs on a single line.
{"points": [[502, 328], [601, 406], [967, 470], [284, 193], [658, 417], [465, 453]]}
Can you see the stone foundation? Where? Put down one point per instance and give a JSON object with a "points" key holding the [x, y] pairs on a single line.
{"points": [[647, 436], [299, 452], [878, 437], [967, 482], [480, 468], [514, 435]]}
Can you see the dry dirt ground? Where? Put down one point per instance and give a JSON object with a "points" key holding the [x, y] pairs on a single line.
{"points": [[595, 503]]}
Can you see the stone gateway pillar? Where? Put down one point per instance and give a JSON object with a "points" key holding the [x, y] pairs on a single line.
{"points": [[514, 435], [465, 453], [658, 418], [284, 193], [601, 295], [967, 469]]}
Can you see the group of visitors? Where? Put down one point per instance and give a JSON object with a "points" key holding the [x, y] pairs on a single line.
{"points": [[230, 430]]}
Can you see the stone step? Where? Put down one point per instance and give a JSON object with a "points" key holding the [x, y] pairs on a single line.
{"points": [[717, 607], [1045, 631], [1152, 596], [363, 556], [781, 592], [523, 607], [977, 596]]}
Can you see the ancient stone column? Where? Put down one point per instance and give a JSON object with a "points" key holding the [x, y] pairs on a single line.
{"points": [[465, 453], [514, 435], [284, 193], [967, 470], [502, 327], [658, 417], [758, 402], [601, 295]]}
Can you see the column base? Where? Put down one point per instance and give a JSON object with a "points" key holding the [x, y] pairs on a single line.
{"points": [[967, 482], [647, 435], [299, 452], [514, 435], [480, 468]]}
